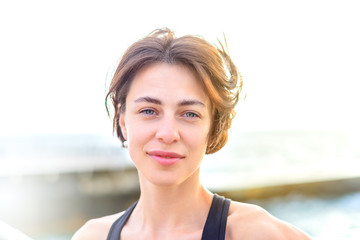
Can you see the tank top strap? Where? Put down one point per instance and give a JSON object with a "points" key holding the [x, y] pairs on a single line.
{"points": [[215, 225], [214, 229], [117, 226]]}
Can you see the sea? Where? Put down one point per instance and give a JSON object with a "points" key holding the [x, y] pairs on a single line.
{"points": [[250, 160]]}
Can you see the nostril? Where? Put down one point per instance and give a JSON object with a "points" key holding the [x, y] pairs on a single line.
{"points": [[167, 133]]}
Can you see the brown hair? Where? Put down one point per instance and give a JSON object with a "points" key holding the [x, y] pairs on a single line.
{"points": [[213, 66]]}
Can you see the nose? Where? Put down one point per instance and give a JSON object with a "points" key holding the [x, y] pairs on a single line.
{"points": [[168, 131]]}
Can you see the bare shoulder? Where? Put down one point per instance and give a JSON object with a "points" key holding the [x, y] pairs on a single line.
{"points": [[248, 221], [96, 228]]}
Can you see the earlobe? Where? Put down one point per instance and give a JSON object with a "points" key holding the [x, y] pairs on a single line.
{"points": [[122, 125]]}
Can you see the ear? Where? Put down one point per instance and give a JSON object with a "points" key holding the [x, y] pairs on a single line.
{"points": [[122, 123]]}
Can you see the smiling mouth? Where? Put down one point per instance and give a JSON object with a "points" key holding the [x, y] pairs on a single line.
{"points": [[165, 158]]}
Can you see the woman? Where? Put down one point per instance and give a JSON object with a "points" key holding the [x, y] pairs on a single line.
{"points": [[174, 101]]}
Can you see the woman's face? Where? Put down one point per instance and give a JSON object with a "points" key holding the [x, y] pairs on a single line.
{"points": [[166, 123]]}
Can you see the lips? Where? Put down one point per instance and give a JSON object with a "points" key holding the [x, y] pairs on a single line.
{"points": [[165, 158]]}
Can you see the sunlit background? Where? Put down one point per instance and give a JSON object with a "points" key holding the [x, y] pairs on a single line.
{"points": [[295, 144]]}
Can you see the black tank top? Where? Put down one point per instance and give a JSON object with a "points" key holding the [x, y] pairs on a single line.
{"points": [[215, 225]]}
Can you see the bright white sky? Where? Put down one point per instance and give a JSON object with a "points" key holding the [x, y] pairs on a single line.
{"points": [[300, 59]]}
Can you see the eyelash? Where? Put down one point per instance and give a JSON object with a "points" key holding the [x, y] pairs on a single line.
{"points": [[150, 112], [147, 110], [194, 115]]}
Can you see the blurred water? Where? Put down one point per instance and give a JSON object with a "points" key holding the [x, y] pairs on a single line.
{"points": [[327, 218], [253, 159], [55, 154], [59, 237], [250, 159]]}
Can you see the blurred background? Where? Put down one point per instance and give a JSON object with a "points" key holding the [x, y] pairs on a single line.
{"points": [[294, 148]]}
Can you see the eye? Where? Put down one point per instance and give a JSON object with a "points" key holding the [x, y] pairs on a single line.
{"points": [[191, 115], [148, 111]]}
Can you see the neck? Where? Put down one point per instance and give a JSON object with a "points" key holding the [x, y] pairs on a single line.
{"points": [[173, 207]]}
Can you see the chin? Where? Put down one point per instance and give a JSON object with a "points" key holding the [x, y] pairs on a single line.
{"points": [[165, 179]]}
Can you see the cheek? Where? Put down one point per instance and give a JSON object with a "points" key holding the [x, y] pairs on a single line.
{"points": [[137, 133], [198, 138]]}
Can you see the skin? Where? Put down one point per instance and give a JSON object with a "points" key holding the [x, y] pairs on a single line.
{"points": [[167, 110]]}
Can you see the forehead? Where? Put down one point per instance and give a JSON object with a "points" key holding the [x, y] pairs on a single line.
{"points": [[167, 82]]}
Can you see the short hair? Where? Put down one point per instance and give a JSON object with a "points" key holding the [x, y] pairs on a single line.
{"points": [[212, 65]]}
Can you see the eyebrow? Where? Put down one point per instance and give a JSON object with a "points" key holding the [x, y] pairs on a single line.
{"points": [[185, 102], [191, 102], [148, 99]]}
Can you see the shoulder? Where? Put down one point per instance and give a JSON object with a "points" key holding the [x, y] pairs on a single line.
{"points": [[248, 221], [96, 228]]}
